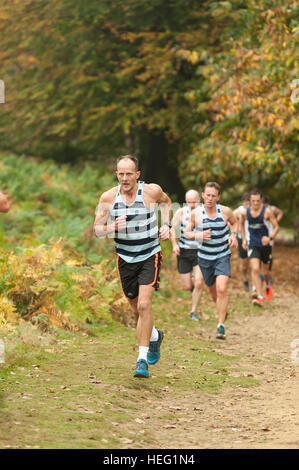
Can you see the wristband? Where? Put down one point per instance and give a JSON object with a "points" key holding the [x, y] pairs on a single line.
{"points": [[235, 233], [168, 224]]}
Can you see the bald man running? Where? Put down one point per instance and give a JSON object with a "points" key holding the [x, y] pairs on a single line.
{"points": [[186, 252], [134, 227]]}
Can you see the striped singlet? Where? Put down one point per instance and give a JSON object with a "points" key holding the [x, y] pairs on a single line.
{"points": [[257, 228], [241, 208], [183, 241], [217, 247], [140, 239]]}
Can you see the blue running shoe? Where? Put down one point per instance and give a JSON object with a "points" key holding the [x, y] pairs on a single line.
{"points": [[194, 316], [220, 332], [141, 369], [153, 354]]}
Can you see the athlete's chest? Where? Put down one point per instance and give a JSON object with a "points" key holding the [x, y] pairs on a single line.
{"points": [[256, 214], [215, 215]]}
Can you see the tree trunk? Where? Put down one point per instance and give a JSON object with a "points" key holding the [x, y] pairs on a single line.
{"points": [[158, 163]]}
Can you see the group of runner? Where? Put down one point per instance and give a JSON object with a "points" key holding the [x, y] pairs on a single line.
{"points": [[202, 235]]}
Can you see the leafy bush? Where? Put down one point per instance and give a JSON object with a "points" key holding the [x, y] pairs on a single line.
{"points": [[51, 288]]}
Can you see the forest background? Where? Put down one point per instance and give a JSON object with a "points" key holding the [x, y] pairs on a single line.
{"points": [[197, 90]]}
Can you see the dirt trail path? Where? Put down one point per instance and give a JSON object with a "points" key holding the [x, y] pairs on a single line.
{"points": [[82, 395], [266, 416]]}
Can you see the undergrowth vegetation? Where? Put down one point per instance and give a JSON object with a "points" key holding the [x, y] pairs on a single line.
{"points": [[53, 271]]}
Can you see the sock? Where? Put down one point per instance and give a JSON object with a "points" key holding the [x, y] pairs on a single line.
{"points": [[155, 335], [143, 353], [245, 278], [260, 297], [220, 324], [253, 288]]}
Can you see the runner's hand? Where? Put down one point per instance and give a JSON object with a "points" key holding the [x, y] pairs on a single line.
{"points": [[120, 223], [176, 250], [265, 240], [232, 241], [206, 234], [164, 233]]}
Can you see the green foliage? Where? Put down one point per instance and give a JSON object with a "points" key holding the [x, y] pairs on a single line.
{"points": [[52, 269], [52, 202], [249, 126], [52, 288], [206, 85], [91, 75]]}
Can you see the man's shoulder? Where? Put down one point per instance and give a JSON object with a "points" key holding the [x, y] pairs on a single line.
{"points": [[225, 209], [268, 212], [179, 212], [152, 187], [196, 212], [153, 190], [109, 195]]}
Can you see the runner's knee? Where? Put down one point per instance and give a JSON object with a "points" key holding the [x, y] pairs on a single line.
{"points": [[198, 284], [143, 306], [221, 290]]}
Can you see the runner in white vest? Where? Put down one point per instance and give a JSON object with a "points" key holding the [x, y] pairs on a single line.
{"points": [[242, 253], [186, 252]]}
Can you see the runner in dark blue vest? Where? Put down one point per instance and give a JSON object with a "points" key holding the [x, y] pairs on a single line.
{"points": [[211, 223], [259, 243], [127, 214]]}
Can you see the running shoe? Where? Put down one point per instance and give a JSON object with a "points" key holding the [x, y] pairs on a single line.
{"points": [[258, 302], [254, 294], [246, 285], [141, 369], [194, 316], [220, 332], [153, 354], [268, 292]]}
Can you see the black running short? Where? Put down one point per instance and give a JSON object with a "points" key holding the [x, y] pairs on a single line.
{"points": [[187, 260], [264, 253], [146, 272], [241, 251]]}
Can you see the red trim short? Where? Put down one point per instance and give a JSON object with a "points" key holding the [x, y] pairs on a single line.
{"points": [[146, 272]]}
